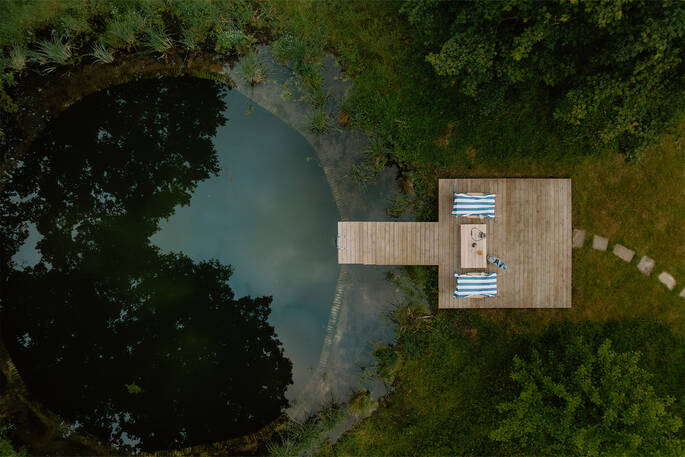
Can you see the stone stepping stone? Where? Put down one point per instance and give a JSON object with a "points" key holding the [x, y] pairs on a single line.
{"points": [[600, 243], [623, 252], [667, 279], [578, 238], [646, 265], [682, 293]]}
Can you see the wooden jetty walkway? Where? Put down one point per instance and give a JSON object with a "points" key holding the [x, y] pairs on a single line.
{"points": [[388, 243], [531, 233]]}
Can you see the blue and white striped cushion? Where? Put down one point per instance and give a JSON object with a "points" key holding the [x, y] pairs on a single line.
{"points": [[469, 285], [474, 205]]}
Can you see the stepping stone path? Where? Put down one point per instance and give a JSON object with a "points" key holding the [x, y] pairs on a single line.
{"points": [[667, 279], [646, 265], [600, 243], [578, 238], [623, 252]]}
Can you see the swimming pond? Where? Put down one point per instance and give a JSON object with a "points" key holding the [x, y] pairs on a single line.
{"points": [[169, 264]]}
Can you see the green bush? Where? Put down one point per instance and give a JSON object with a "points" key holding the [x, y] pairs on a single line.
{"points": [[319, 121], [74, 25], [583, 400], [7, 449], [308, 437], [101, 53], [54, 51], [189, 39], [228, 40], [251, 68], [123, 32], [302, 55], [158, 40], [18, 58]]}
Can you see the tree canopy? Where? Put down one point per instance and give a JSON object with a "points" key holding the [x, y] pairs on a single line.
{"points": [[589, 401], [613, 71]]}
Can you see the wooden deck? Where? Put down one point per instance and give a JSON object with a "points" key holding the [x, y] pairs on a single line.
{"points": [[388, 243], [531, 233]]}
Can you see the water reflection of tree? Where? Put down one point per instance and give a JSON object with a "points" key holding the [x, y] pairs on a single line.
{"points": [[106, 330]]}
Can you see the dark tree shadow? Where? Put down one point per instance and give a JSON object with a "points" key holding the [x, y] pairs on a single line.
{"points": [[140, 348]]}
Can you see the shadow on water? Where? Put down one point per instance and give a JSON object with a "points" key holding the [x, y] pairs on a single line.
{"points": [[140, 347]]}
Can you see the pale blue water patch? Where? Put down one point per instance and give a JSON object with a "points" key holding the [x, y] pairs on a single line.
{"points": [[271, 215], [28, 254]]}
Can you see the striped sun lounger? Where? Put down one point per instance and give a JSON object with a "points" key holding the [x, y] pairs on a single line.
{"points": [[482, 205], [476, 285]]}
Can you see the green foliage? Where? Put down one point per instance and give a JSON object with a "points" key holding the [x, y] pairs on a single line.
{"points": [[452, 372], [302, 55], [158, 40], [320, 123], [123, 31], [8, 450], [21, 17], [198, 18], [54, 51], [18, 58], [319, 97], [306, 438], [74, 25], [189, 39], [6, 103], [134, 389], [251, 68], [613, 71], [101, 53], [229, 40], [588, 402], [292, 49], [387, 362]]}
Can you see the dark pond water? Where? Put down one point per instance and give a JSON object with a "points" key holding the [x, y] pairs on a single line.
{"points": [[168, 264]]}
